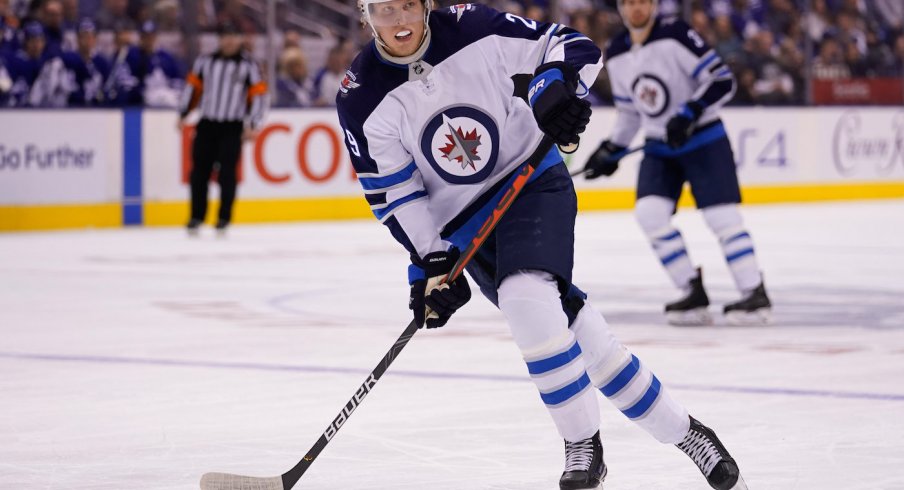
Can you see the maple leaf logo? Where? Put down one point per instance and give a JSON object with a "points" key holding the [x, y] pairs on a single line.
{"points": [[462, 147]]}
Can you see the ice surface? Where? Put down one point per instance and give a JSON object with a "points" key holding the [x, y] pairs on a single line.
{"points": [[141, 359]]}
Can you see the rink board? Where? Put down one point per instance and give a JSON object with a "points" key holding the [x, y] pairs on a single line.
{"points": [[75, 169]]}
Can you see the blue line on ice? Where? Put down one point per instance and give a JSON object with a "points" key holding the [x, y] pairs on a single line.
{"points": [[257, 366]]}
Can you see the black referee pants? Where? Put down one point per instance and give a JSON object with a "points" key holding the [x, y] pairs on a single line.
{"points": [[215, 143]]}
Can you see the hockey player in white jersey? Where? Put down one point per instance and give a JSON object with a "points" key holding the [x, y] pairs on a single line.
{"points": [[666, 80], [436, 128]]}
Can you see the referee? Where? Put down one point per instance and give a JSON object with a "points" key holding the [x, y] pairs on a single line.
{"points": [[228, 89]]}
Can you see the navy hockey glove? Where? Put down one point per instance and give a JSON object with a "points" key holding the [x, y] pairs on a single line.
{"points": [[604, 160], [561, 114], [434, 303], [679, 128]]}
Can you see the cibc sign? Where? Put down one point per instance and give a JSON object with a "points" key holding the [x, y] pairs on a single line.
{"points": [[288, 153]]}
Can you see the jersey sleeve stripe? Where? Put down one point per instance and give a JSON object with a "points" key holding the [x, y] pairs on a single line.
{"points": [[385, 212], [706, 61], [383, 182]]}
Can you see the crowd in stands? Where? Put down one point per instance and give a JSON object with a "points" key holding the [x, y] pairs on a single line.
{"points": [[772, 46], [49, 55]]}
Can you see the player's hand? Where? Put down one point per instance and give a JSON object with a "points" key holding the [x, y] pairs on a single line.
{"points": [[604, 160], [559, 112], [679, 128], [433, 301]]}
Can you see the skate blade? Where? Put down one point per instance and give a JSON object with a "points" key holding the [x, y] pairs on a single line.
{"points": [[698, 317], [762, 316], [740, 484]]}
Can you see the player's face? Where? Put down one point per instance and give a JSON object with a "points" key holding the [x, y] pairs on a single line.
{"points": [[637, 12], [399, 23]]}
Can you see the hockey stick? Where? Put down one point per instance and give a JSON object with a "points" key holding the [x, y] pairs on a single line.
{"points": [[620, 155], [226, 481]]}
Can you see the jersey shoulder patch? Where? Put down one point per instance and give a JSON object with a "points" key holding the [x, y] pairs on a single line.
{"points": [[366, 84], [681, 31], [619, 44]]}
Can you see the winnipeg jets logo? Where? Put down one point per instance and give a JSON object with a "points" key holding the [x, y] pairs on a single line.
{"points": [[462, 147], [648, 96], [652, 94], [348, 83], [461, 143]]}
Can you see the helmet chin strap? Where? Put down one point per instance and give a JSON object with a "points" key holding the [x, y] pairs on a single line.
{"points": [[403, 60]]}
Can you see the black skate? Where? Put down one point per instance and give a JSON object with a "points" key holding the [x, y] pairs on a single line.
{"points": [[692, 309], [193, 227], [221, 227], [755, 309], [708, 453], [584, 466]]}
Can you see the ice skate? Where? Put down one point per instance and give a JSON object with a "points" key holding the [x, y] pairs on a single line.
{"points": [[193, 227], [584, 466], [692, 310], [754, 309], [221, 227], [708, 453]]}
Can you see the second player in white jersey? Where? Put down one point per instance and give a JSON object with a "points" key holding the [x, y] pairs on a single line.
{"points": [[667, 81]]}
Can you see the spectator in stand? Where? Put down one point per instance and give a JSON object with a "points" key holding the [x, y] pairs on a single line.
{"points": [[167, 15], [26, 65], [746, 81], [232, 12], [111, 15], [829, 65], [6, 82], [889, 14], [817, 20], [701, 23], [160, 76], [122, 86], [9, 26], [88, 69], [51, 17], [748, 17], [897, 68], [292, 85], [328, 78], [727, 43]]}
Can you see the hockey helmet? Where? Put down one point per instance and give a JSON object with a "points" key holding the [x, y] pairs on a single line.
{"points": [[383, 13]]}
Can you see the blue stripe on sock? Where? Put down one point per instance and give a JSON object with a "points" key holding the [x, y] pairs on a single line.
{"points": [[671, 258], [646, 401], [671, 236], [739, 236], [554, 362], [622, 378], [737, 255], [566, 392]]}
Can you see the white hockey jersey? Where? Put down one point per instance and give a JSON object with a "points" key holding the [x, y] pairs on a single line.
{"points": [[433, 140], [651, 82]]}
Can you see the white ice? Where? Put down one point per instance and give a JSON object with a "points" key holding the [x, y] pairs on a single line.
{"points": [[141, 359]]}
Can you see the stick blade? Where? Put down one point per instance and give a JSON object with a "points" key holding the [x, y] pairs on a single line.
{"points": [[227, 481]]}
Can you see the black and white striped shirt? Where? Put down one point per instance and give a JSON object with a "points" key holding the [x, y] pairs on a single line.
{"points": [[226, 88]]}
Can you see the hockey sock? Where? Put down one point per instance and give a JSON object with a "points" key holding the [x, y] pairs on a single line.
{"points": [[726, 222], [530, 302], [654, 215], [626, 382]]}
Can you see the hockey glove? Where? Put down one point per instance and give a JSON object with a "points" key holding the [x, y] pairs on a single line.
{"points": [[679, 128], [432, 301], [604, 160], [561, 114]]}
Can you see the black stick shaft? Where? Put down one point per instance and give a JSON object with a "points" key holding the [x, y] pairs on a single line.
{"points": [[623, 155], [291, 477]]}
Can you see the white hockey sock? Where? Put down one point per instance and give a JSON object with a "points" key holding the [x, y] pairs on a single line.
{"points": [[627, 383], [530, 302], [654, 214], [726, 222]]}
